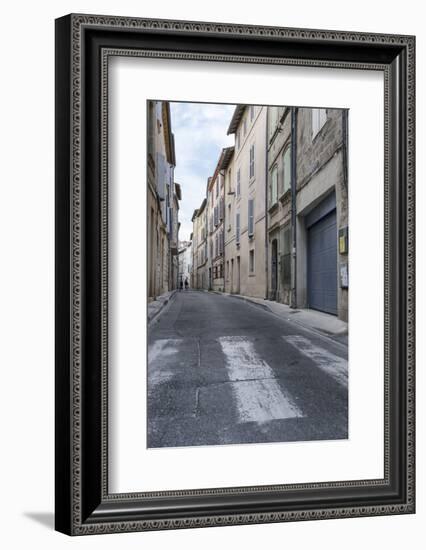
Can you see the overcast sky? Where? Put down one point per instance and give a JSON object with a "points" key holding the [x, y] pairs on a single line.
{"points": [[200, 134]]}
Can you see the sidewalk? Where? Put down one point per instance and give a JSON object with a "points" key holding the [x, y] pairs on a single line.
{"points": [[325, 324], [156, 306]]}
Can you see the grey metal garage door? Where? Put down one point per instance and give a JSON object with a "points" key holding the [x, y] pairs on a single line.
{"points": [[322, 264]]}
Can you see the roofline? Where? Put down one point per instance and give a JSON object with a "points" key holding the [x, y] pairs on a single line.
{"points": [[236, 119], [222, 164], [225, 158], [202, 206]]}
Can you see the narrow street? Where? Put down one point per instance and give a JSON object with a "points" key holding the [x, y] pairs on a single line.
{"points": [[223, 371]]}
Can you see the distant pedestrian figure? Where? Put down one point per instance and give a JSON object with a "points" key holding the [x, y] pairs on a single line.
{"points": [[181, 285], [186, 284]]}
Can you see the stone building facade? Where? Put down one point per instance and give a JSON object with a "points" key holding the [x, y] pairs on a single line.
{"points": [[174, 226], [185, 263], [162, 200], [199, 248], [308, 208], [216, 221], [245, 242], [322, 243], [279, 205], [274, 223]]}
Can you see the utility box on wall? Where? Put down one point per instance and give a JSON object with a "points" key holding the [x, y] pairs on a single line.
{"points": [[343, 240]]}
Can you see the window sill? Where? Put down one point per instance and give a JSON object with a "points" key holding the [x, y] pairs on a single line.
{"points": [[314, 136], [285, 196], [273, 208]]}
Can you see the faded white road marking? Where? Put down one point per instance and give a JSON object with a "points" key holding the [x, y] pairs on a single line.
{"points": [[334, 365], [259, 397], [158, 366]]}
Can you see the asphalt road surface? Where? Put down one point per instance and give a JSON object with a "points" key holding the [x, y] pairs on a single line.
{"points": [[224, 371]]}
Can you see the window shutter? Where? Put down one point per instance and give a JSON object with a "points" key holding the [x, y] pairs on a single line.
{"points": [[287, 169], [319, 118], [237, 228], [250, 217], [274, 186], [252, 161], [171, 222], [160, 176], [238, 183]]}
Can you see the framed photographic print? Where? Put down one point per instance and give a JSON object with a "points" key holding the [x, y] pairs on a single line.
{"points": [[234, 274]]}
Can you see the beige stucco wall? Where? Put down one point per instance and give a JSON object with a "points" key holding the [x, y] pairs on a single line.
{"points": [[250, 284]]}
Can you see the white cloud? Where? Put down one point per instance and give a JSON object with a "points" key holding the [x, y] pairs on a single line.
{"points": [[200, 134]]}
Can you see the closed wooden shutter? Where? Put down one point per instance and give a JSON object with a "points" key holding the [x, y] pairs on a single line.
{"points": [[237, 228], [251, 217]]}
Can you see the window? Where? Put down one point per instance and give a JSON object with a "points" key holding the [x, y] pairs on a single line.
{"points": [[238, 182], [251, 112], [274, 114], [229, 216], [245, 127], [251, 261], [217, 187], [287, 169], [250, 217], [274, 186], [319, 118], [251, 161], [227, 270], [237, 228], [238, 139]]}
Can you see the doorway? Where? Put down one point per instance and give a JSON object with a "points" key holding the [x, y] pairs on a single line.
{"points": [[274, 269]]}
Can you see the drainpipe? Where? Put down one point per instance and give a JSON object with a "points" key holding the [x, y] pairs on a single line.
{"points": [[345, 147], [294, 111], [266, 207]]}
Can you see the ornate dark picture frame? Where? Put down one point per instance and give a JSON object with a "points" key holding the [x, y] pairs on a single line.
{"points": [[84, 44]]}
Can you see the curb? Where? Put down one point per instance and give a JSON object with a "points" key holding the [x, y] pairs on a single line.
{"points": [[164, 302], [332, 335], [244, 299]]}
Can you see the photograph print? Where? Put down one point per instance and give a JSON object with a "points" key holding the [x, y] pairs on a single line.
{"points": [[247, 274]]}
